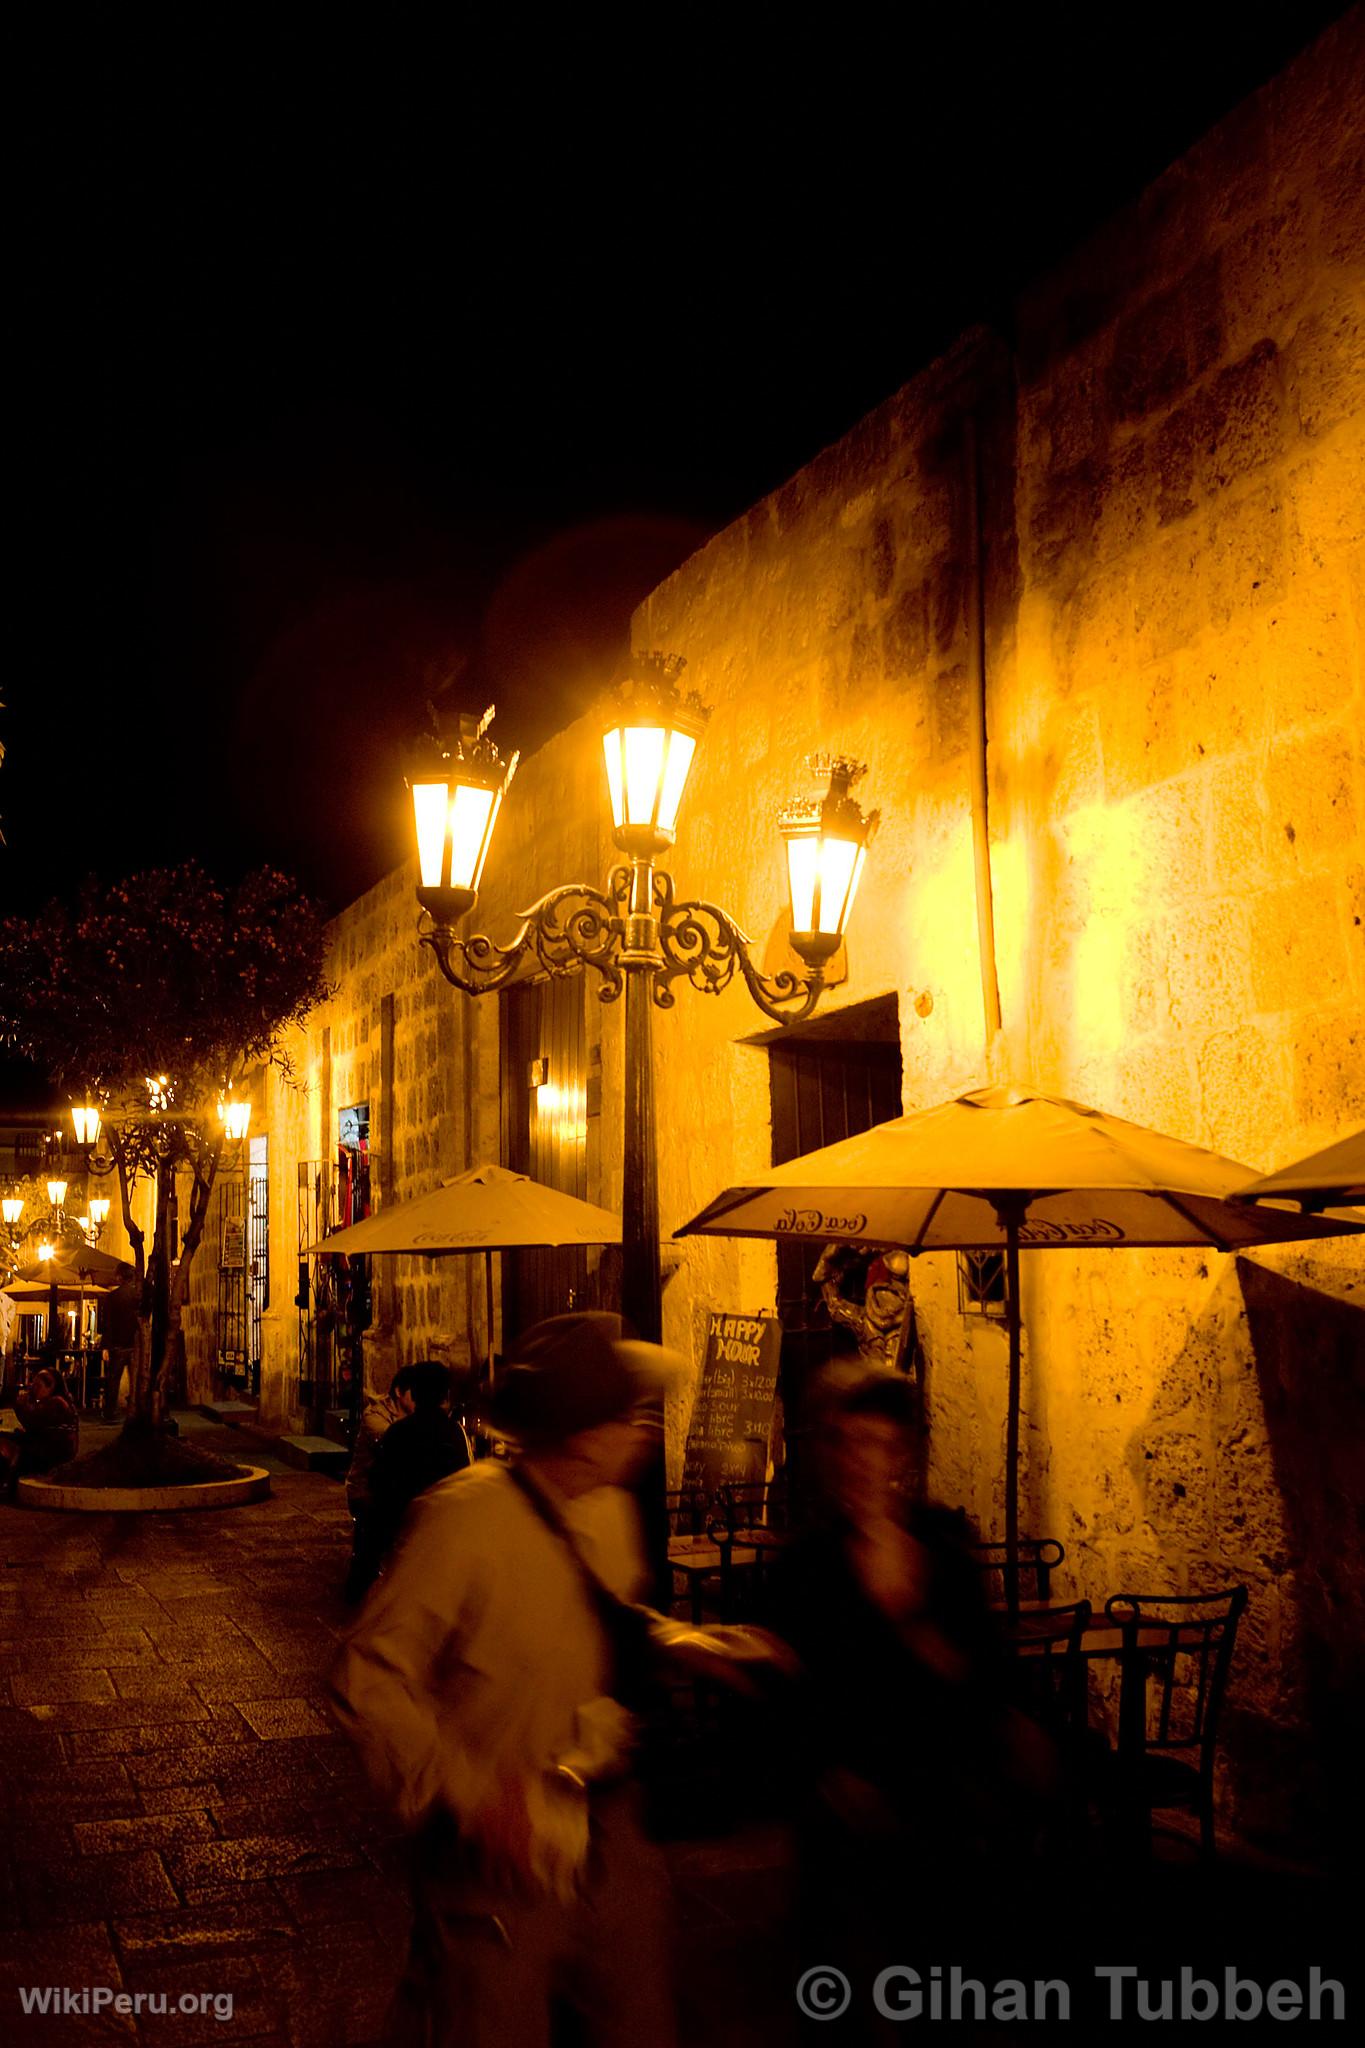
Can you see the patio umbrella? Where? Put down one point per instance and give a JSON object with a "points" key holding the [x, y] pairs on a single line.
{"points": [[1331, 1179], [1005, 1167], [487, 1209], [98, 1265]]}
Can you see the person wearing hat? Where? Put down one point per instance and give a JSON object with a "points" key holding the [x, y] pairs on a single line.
{"points": [[481, 1685]]}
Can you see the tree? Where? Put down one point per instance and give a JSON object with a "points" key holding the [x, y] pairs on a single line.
{"points": [[158, 994]]}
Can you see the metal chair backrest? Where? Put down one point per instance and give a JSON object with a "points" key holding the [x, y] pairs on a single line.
{"points": [[1047, 1670], [742, 1505], [1183, 1645], [688, 1509], [1026, 1574]]}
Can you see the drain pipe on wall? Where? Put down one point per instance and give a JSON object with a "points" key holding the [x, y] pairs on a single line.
{"points": [[976, 701]]}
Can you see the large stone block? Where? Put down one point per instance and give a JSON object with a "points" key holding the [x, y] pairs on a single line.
{"points": [[1128, 498], [1329, 1067], [1238, 826], [1245, 1078], [1208, 967], [1161, 347], [1325, 364], [1298, 950], [1062, 520], [1341, 207], [905, 635], [1312, 781]]}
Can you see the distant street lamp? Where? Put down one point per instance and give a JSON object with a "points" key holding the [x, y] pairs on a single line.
{"points": [[634, 935], [87, 1121], [235, 1117]]}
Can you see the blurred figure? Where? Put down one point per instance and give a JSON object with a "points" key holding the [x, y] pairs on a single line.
{"points": [[424, 1443], [49, 1429], [901, 1732], [375, 1417], [119, 1319], [483, 1686]]}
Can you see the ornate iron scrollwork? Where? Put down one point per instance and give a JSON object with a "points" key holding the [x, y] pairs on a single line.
{"points": [[701, 941], [567, 930]]}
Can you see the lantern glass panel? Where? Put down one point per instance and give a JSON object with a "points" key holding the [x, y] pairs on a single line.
{"points": [[644, 751], [430, 806], [681, 747], [803, 856], [611, 748], [471, 813]]}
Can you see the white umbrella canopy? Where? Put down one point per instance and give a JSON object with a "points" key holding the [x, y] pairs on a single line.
{"points": [[485, 1210], [946, 1178], [1007, 1166], [1332, 1178]]}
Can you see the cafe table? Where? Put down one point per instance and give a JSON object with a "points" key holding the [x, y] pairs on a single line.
{"points": [[1027, 1635]]}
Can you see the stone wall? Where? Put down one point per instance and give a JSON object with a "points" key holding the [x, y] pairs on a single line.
{"points": [[1174, 501], [1171, 447]]}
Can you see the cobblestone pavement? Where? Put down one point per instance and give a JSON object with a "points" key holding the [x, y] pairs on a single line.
{"points": [[180, 1815]]}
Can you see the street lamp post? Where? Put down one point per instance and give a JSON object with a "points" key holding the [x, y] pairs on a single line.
{"points": [[634, 935]]}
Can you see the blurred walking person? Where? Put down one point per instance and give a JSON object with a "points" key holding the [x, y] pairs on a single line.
{"points": [[378, 1412], [903, 1740], [423, 1443], [484, 1686]]}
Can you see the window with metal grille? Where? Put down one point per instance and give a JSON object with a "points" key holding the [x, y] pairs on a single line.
{"points": [[982, 1287]]}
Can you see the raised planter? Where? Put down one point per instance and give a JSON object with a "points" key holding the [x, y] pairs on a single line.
{"points": [[36, 1492]]}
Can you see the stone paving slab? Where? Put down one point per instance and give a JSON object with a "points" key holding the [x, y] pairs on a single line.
{"points": [[182, 1815]]}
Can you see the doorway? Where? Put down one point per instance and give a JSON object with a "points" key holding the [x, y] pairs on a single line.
{"points": [[829, 1080], [545, 1097]]}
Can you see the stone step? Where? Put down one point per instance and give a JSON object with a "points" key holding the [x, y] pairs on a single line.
{"points": [[312, 1453], [229, 1411]]}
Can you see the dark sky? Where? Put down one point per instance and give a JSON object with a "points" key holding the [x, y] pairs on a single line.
{"points": [[348, 364]]}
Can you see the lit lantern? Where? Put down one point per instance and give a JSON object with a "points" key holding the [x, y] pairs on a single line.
{"points": [[457, 791], [650, 737], [827, 840], [56, 1193], [99, 1211], [236, 1116], [86, 1119], [46, 1251], [12, 1209]]}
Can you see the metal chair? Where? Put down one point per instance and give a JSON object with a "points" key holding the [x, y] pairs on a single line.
{"points": [[698, 1548], [1177, 1651], [1046, 1679], [752, 1519], [1027, 1574], [1047, 1669]]}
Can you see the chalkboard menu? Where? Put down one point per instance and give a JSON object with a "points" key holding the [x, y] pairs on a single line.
{"points": [[727, 1438]]}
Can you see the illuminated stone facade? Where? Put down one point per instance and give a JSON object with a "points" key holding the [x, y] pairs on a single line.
{"points": [[1173, 502]]}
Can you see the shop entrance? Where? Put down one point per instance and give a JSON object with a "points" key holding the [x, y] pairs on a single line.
{"points": [[545, 1097], [830, 1079]]}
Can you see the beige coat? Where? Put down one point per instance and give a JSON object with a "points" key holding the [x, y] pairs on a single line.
{"points": [[478, 1657]]}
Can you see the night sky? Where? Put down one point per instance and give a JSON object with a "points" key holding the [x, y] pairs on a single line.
{"points": [[349, 370]]}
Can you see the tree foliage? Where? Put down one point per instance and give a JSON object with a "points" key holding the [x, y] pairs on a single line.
{"points": [[169, 974]]}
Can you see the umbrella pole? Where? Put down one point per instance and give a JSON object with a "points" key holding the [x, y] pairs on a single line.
{"points": [[1012, 1419], [488, 1308]]}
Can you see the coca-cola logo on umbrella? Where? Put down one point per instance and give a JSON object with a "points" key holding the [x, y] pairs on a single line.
{"points": [[1098, 1231], [819, 1223]]}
